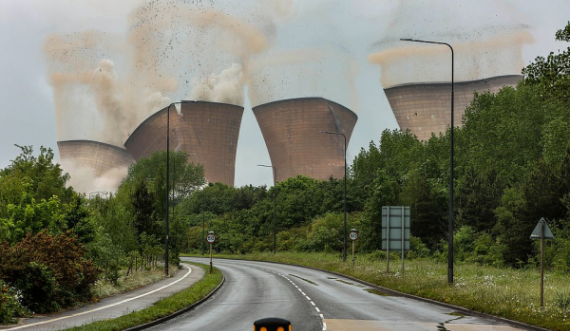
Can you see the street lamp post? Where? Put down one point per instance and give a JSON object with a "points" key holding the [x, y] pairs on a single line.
{"points": [[450, 229], [274, 206], [167, 184], [344, 232]]}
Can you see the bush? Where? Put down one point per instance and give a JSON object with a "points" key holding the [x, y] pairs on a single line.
{"points": [[50, 271], [417, 248], [38, 288], [10, 305]]}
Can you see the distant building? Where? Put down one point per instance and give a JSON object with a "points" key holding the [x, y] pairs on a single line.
{"points": [[291, 128], [93, 155], [424, 108], [206, 131]]}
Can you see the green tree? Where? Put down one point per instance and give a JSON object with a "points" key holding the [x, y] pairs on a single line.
{"points": [[553, 72]]}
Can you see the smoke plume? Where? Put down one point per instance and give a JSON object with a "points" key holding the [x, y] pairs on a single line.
{"points": [[227, 87], [484, 45]]}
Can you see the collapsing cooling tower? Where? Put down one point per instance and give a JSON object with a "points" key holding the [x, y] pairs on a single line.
{"points": [[206, 131], [424, 108], [97, 156], [291, 132]]}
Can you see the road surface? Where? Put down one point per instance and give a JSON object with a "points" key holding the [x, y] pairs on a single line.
{"points": [[313, 300]]}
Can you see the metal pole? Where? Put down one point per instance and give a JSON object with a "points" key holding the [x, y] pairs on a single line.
{"points": [[388, 241], [541, 264], [402, 219], [353, 253], [211, 264], [450, 251], [344, 236], [275, 224], [167, 188], [450, 227]]}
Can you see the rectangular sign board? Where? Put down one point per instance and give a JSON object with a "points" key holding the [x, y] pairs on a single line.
{"points": [[396, 228]]}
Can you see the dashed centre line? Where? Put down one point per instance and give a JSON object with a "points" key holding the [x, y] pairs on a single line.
{"points": [[306, 296]]}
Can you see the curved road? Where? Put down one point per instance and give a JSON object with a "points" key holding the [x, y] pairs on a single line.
{"points": [[313, 300]]}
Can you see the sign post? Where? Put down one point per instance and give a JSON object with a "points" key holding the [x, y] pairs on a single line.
{"points": [[542, 231], [211, 238], [395, 231], [353, 235]]}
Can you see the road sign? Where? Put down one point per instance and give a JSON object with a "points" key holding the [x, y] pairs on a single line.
{"points": [[211, 238], [396, 228], [353, 235], [542, 233]]}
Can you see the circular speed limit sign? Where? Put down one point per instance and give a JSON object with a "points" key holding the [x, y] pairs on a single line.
{"points": [[211, 238], [353, 235]]}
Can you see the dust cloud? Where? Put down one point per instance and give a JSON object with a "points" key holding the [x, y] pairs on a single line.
{"points": [[86, 179], [484, 45], [105, 84]]}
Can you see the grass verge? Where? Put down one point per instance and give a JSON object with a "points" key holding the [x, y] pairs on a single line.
{"points": [[161, 308], [104, 288], [509, 293]]}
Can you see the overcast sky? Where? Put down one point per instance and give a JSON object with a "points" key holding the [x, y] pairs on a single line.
{"points": [[310, 48]]}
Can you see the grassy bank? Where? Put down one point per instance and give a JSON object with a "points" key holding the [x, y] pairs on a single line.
{"points": [[504, 292], [161, 308], [104, 288]]}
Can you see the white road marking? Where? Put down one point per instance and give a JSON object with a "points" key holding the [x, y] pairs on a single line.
{"points": [[312, 303], [104, 307]]}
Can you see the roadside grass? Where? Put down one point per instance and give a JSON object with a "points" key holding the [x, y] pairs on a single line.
{"points": [[161, 308], [104, 288], [505, 292]]}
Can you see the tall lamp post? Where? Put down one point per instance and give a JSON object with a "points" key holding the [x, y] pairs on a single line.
{"points": [[274, 206], [450, 229], [167, 184], [344, 233]]}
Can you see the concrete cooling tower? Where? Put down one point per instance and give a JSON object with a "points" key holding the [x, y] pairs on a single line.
{"points": [[98, 156], [206, 131], [291, 132], [424, 108]]}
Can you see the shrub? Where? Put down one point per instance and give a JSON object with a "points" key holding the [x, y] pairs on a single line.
{"points": [[10, 305], [38, 288], [49, 270]]}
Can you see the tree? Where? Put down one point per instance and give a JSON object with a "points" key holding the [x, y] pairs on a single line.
{"points": [[553, 72], [42, 177]]}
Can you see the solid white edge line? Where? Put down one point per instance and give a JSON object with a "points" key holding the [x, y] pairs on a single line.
{"points": [[104, 307]]}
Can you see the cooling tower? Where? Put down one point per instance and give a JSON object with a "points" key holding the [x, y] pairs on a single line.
{"points": [[424, 108], [291, 132], [206, 131], [98, 156]]}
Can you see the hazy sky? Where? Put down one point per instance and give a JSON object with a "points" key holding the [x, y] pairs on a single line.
{"points": [[285, 49]]}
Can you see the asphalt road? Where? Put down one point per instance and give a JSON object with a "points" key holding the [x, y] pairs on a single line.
{"points": [[313, 300]]}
